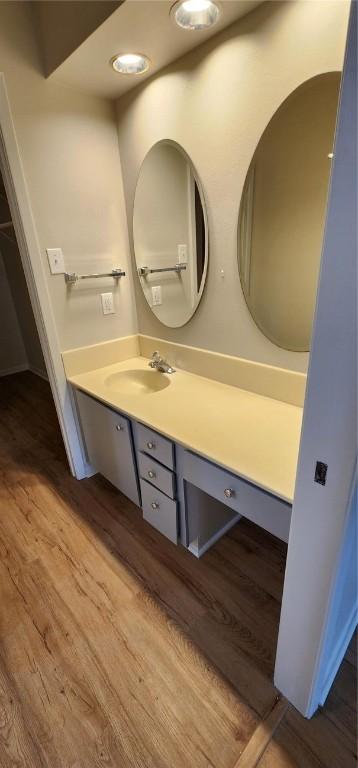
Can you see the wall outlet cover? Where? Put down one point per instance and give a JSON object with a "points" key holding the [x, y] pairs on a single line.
{"points": [[107, 303], [55, 260], [156, 295]]}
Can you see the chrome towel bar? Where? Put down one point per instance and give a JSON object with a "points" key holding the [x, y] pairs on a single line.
{"points": [[73, 277], [143, 271]]}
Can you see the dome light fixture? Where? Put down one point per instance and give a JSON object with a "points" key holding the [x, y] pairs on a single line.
{"points": [[196, 14], [130, 63]]}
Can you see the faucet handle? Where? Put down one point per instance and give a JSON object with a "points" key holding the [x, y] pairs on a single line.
{"points": [[155, 360]]}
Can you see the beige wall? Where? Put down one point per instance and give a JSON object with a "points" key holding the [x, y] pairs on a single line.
{"points": [[69, 148], [74, 19], [216, 102]]}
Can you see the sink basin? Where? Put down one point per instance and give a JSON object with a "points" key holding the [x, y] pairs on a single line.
{"points": [[137, 382]]}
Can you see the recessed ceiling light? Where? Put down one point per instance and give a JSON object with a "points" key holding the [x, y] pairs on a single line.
{"points": [[196, 14], [130, 63]]}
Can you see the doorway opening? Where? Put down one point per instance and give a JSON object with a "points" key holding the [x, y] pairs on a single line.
{"points": [[21, 222], [24, 381], [20, 346]]}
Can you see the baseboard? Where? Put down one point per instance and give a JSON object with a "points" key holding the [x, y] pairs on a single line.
{"points": [[89, 470], [338, 655], [14, 369], [199, 551], [21, 368], [38, 372]]}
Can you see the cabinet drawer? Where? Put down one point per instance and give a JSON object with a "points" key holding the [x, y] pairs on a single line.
{"points": [[155, 473], [160, 511], [155, 445], [247, 500]]}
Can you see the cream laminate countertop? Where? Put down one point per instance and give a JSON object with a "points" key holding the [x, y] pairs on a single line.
{"points": [[252, 436]]}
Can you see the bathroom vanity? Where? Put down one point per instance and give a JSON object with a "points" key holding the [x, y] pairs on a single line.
{"points": [[198, 453], [195, 454]]}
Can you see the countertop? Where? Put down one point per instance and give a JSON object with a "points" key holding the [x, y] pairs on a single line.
{"points": [[250, 435]]}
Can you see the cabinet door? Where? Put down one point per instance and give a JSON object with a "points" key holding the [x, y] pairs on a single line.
{"points": [[109, 444]]}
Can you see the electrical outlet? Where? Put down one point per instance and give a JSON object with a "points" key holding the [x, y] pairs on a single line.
{"points": [[182, 254], [55, 260], [107, 303], [156, 295]]}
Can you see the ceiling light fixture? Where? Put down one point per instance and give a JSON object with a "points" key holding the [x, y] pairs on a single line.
{"points": [[130, 63], [196, 14]]}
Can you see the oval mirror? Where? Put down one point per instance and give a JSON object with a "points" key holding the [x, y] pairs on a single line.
{"points": [[170, 234], [282, 213]]}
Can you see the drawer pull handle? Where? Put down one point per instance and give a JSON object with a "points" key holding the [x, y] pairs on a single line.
{"points": [[154, 505], [150, 445], [229, 493], [119, 427], [151, 473]]}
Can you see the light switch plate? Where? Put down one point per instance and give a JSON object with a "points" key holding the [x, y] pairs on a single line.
{"points": [[156, 295], [107, 303], [182, 254], [55, 260]]}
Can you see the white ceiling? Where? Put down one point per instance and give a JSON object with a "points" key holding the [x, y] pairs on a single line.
{"points": [[142, 26]]}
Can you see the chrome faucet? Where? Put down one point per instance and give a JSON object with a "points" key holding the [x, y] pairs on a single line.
{"points": [[160, 364]]}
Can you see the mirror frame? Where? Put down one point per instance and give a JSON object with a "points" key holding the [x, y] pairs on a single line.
{"points": [[179, 148]]}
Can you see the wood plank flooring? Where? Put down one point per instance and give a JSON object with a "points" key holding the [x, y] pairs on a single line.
{"points": [[118, 648]]}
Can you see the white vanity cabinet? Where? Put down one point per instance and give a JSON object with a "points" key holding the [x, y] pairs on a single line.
{"points": [[189, 498], [158, 482], [215, 499], [184, 496], [109, 444]]}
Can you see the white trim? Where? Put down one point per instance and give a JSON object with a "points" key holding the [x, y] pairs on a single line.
{"points": [[14, 369], [314, 565], [319, 689], [199, 551], [21, 368], [26, 236], [338, 655], [89, 470], [38, 372]]}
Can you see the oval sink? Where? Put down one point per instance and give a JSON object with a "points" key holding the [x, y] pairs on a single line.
{"points": [[137, 382]]}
